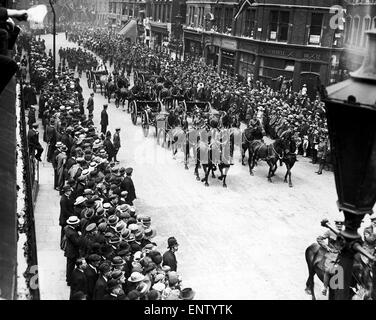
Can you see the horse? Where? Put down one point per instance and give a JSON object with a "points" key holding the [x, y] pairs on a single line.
{"points": [[315, 258], [110, 89], [249, 135], [279, 150]]}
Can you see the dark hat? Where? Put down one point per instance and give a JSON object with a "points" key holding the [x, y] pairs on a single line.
{"points": [[104, 267], [114, 240], [94, 257], [100, 211], [108, 234], [122, 170], [113, 220], [67, 188], [155, 256], [124, 252], [117, 261], [139, 235], [116, 274], [35, 125], [149, 267], [102, 226], [128, 170], [172, 242], [91, 227], [187, 294]]}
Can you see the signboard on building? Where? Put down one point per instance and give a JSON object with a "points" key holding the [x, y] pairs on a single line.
{"points": [[229, 44]]}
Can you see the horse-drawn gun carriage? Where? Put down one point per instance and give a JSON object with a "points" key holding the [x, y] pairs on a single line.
{"points": [[97, 78], [142, 76], [192, 107], [147, 111]]}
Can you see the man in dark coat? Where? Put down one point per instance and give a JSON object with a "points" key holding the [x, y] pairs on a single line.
{"points": [[34, 144], [90, 103], [169, 258], [109, 147], [104, 119], [66, 210], [72, 247], [100, 289], [127, 185], [51, 136], [91, 273], [78, 278], [116, 143]]}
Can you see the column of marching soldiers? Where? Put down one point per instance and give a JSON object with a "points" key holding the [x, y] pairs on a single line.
{"points": [[107, 243]]}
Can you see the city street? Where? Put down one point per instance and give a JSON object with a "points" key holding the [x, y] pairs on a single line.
{"points": [[243, 242]]}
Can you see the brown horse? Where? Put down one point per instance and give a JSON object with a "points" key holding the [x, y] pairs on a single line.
{"points": [[315, 258], [279, 150]]}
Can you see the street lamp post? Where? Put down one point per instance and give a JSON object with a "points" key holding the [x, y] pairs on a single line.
{"points": [[351, 114], [52, 2]]}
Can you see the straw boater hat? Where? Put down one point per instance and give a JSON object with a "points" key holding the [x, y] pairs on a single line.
{"points": [[73, 220], [136, 277]]}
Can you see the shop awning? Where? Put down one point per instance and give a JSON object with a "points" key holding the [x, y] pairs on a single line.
{"points": [[130, 30]]}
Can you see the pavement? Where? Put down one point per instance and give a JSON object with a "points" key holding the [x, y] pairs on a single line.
{"points": [[243, 242]]}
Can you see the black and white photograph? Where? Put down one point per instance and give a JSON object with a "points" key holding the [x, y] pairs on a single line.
{"points": [[193, 150]]}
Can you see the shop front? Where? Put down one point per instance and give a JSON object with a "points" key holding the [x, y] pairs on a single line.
{"points": [[193, 46], [228, 62], [159, 36]]}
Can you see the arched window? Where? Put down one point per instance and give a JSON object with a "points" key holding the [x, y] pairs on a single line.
{"points": [[366, 27], [374, 23], [355, 30], [348, 29]]}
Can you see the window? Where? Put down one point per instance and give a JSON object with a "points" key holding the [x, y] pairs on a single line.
{"points": [[249, 24], [311, 67], [316, 28], [218, 19], [279, 25], [228, 20], [366, 27], [355, 30], [374, 22], [348, 30]]}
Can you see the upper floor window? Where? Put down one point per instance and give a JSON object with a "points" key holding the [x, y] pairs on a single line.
{"points": [[279, 25], [315, 29], [249, 23], [348, 30], [355, 30], [366, 27]]}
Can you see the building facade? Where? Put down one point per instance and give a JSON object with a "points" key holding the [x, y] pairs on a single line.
{"points": [[119, 12], [165, 20], [360, 17], [267, 39], [101, 8]]}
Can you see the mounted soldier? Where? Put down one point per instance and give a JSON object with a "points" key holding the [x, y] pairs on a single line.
{"points": [[333, 248]]}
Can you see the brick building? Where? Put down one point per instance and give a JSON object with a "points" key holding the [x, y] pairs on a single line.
{"points": [[266, 38], [360, 17]]}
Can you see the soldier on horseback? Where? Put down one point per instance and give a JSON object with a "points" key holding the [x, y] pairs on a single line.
{"points": [[333, 248]]}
